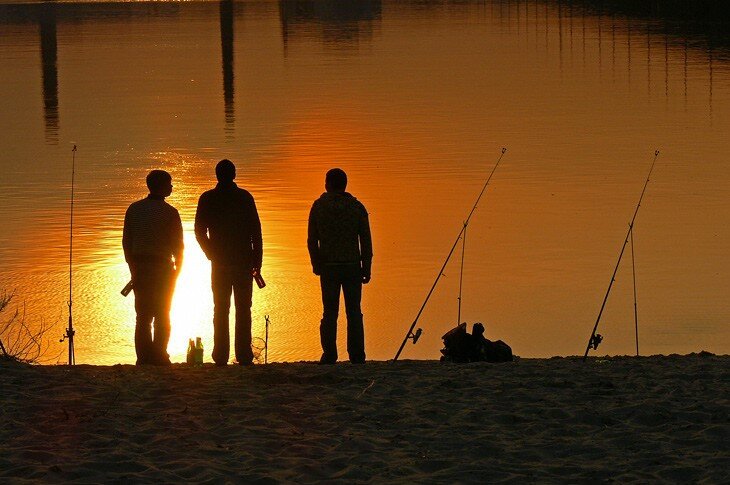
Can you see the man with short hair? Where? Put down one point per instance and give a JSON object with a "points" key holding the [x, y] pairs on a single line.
{"points": [[228, 229], [341, 252], [153, 248]]}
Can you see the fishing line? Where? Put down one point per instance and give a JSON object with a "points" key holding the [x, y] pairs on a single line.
{"points": [[595, 338], [636, 310]]}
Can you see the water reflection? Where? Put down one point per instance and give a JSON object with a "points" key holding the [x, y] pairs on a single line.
{"points": [[632, 25], [49, 60], [227, 37], [344, 22], [656, 33], [702, 23]]}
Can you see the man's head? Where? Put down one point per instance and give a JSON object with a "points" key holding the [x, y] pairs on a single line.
{"points": [[225, 171], [336, 180], [160, 183]]}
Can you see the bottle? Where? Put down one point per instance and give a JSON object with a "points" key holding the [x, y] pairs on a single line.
{"points": [[198, 352], [258, 278], [191, 353], [127, 288]]}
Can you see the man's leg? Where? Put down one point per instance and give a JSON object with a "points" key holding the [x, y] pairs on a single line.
{"points": [[221, 284], [330, 283], [143, 339], [165, 286], [352, 290], [242, 293], [145, 313]]}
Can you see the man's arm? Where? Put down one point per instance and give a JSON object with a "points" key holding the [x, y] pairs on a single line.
{"points": [[128, 243], [257, 243], [127, 237], [178, 243], [201, 226], [366, 246], [313, 242]]}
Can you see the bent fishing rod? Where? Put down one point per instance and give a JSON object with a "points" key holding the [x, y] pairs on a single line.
{"points": [[415, 336], [596, 338], [70, 332]]}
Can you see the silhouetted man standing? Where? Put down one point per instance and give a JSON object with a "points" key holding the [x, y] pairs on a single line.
{"points": [[153, 249], [228, 228], [341, 252]]}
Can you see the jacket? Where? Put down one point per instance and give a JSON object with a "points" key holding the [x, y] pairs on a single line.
{"points": [[228, 228], [339, 232]]}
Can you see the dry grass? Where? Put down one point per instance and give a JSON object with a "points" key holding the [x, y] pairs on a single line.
{"points": [[19, 342]]}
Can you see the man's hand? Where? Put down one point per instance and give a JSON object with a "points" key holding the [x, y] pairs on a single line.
{"points": [[365, 271], [316, 270]]}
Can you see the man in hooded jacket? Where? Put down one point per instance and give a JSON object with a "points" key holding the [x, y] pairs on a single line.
{"points": [[341, 252]]}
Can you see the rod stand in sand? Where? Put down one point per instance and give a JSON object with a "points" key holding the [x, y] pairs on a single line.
{"points": [[70, 332], [595, 338], [633, 275], [410, 335], [461, 275], [266, 340]]}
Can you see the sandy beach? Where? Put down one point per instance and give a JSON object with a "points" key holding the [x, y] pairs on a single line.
{"points": [[622, 419]]}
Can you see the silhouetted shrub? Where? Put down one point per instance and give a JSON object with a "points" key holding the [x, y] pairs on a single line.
{"points": [[18, 341]]}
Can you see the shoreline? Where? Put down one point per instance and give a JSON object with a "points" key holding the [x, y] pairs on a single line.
{"points": [[657, 418]]}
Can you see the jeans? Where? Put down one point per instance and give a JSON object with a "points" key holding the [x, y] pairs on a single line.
{"points": [[349, 278], [153, 288], [225, 279]]}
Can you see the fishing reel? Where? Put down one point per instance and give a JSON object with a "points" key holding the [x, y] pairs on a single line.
{"points": [[415, 336], [70, 332], [596, 339]]}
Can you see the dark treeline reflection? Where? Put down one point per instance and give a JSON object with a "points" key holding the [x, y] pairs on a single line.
{"points": [[708, 9], [82, 12], [339, 21], [702, 24]]}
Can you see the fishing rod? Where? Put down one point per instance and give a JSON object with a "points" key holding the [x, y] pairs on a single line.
{"points": [[70, 332], [596, 338], [415, 336]]}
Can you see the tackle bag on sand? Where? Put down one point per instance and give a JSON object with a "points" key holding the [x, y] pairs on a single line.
{"points": [[460, 346]]}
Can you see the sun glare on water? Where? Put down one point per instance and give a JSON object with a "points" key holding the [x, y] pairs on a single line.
{"points": [[192, 304]]}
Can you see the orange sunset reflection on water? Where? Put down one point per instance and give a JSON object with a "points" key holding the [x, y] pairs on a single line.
{"points": [[284, 192], [414, 100]]}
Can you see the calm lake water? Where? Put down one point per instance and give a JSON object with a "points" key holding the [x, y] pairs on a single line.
{"points": [[414, 100]]}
